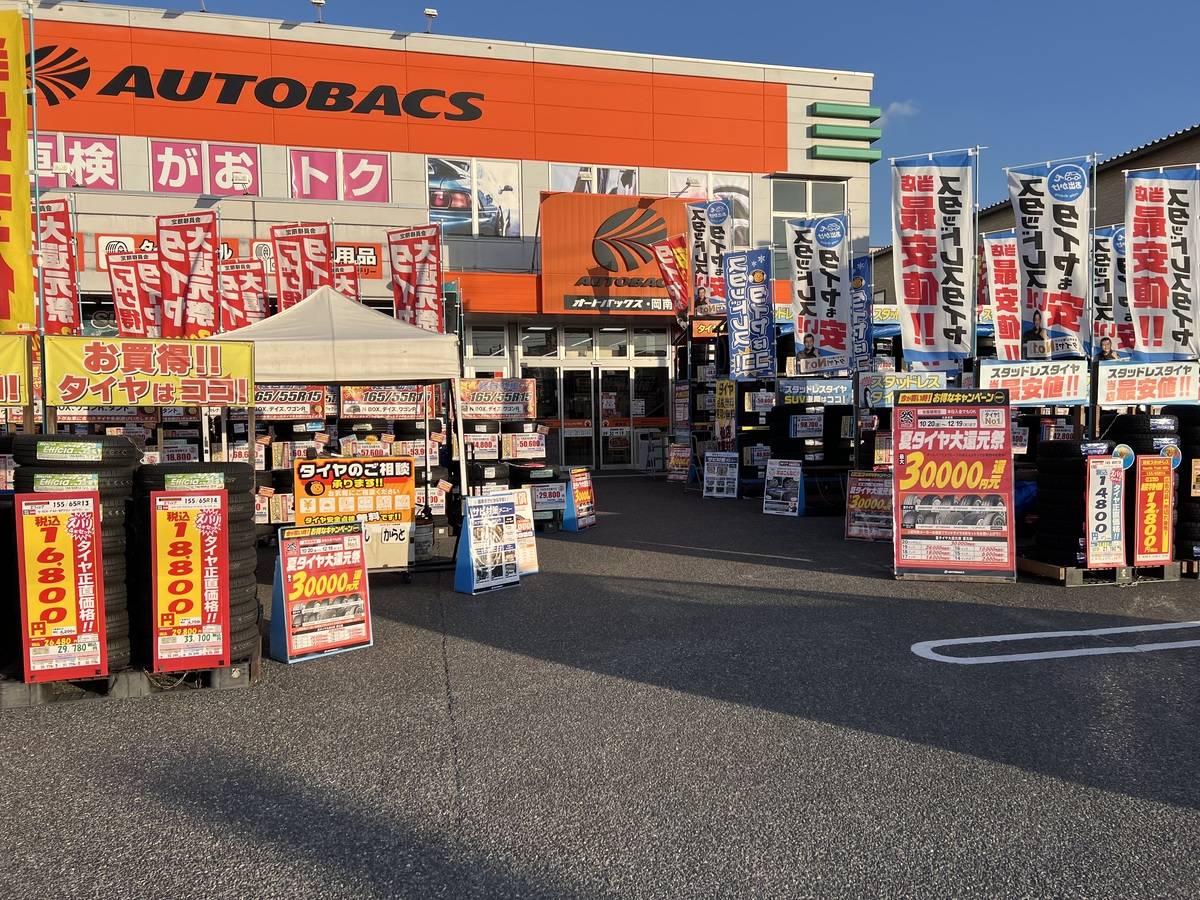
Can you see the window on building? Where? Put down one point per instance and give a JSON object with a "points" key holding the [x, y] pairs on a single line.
{"points": [[578, 342], [488, 340], [539, 340], [613, 341], [734, 187], [469, 196], [649, 342], [798, 198], [585, 179]]}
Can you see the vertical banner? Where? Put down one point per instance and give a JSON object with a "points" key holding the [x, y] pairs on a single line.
{"points": [[243, 293], [59, 287], [416, 259], [1110, 296], [321, 603], [953, 485], [1161, 234], [1155, 501], [187, 260], [1003, 292], [819, 258], [933, 231], [62, 586], [751, 311], [725, 414], [672, 258], [16, 274], [487, 550], [862, 339], [136, 282], [1051, 204], [869, 506], [783, 494], [189, 554], [1105, 537], [345, 281], [708, 239], [303, 260]]}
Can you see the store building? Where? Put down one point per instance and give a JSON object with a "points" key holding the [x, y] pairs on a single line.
{"points": [[142, 113]]}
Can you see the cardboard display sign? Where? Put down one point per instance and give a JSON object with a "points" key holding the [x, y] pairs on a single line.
{"points": [[487, 549], [380, 489], [783, 494], [679, 462], [869, 506], [720, 474], [581, 502], [189, 556], [321, 603], [62, 586], [1152, 545]]}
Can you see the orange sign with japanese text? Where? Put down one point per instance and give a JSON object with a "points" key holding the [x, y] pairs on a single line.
{"points": [[16, 271]]}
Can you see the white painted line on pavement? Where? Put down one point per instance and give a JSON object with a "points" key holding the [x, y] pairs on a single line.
{"points": [[927, 649]]}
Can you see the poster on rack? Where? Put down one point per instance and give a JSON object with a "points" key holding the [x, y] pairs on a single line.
{"points": [[321, 603], [60, 567], [725, 414], [1105, 536], [1155, 501], [869, 506], [487, 549], [1051, 203], [58, 287], [1003, 292], [1112, 325], [1162, 232], [136, 283], [819, 255], [303, 257], [750, 315], [933, 231], [783, 493], [953, 485], [497, 398], [375, 490], [189, 556], [416, 259], [187, 261], [243, 293], [581, 502], [720, 474], [708, 239], [679, 462]]}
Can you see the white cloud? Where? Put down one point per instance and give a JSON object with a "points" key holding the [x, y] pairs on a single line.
{"points": [[896, 111]]}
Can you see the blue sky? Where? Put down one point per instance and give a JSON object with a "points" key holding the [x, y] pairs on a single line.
{"points": [[1029, 81]]}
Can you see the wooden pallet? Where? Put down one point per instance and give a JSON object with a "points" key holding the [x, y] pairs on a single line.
{"points": [[1080, 576], [16, 694]]}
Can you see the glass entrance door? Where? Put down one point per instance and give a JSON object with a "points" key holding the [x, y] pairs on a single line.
{"points": [[616, 427], [579, 418]]}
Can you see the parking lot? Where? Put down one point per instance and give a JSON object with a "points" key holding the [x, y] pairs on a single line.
{"points": [[689, 700]]}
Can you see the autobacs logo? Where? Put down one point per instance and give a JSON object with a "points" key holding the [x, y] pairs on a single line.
{"points": [[62, 73], [622, 244], [234, 89]]}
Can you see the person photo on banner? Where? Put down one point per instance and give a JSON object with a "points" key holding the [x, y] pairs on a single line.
{"points": [[810, 347], [1035, 341], [703, 307], [1106, 349]]}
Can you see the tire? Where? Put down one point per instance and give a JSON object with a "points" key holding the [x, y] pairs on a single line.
{"points": [[119, 654], [1062, 466], [1059, 528], [115, 450], [242, 644], [1144, 444], [1128, 424], [1057, 543], [1188, 509], [1189, 550], [1187, 532], [116, 623], [1058, 449], [1189, 435], [243, 560], [238, 477], [112, 543], [1059, 499]]}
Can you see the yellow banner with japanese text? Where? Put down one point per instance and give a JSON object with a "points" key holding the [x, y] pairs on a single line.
{"points": [[14, 369], [87, 371], [16, 224]]}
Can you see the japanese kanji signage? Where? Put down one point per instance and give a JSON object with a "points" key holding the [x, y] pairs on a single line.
{"points": [[1132, 384], [189, 551], [14, 369], [187, 259], [1003, 292], [1104, 540], [416, 259], [94, 161], [672, 257], [750, 311], [58, 289], [303, 261], [371, 490], [1051, 203], [384, 401], [345, 281], [1059, 383], [243, 293], [16, 275], [708, 234], [1155, 499], [83, 371], [137, 294], [1162, 228], [1111, 318], [879, 389], [290, 402], [953, 485], [509, 398], [819, 256], [862, 350], [933, 231]]}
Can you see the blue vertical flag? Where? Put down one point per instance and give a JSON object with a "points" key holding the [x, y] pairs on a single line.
{"points": [[751, 313]]}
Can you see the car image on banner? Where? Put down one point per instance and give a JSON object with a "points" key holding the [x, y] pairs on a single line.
{"points": [[493, 198]]}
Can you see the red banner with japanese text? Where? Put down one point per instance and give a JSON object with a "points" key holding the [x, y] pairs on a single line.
{"points": [[1004, 295], [303, 261], [189, 553], [62, 585], [1162, 227], [322, 602], [673, 263], [58, 290], [933, 231], [243, 293], [136, 282], [187, 259], [953, 485], [1155, 499], [416, 258], [345, 281]]}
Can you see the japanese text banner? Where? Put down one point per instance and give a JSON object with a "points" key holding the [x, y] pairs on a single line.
{"points": [[243, 293], [58, 290], [1051, 203], [83, 371], [1162, 227], [416, 258], [345, 281], [1063, 383], [303, 261], [136, 282], [1004, 296], [14, 369], [672, 258], [862, 350], [187, 259], [708, 237], [16, 273], [750, 309], [819, 257], [1110, 299], [933, 231]]}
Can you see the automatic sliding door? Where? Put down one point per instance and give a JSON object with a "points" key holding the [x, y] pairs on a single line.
{"points": [[579, 419]]}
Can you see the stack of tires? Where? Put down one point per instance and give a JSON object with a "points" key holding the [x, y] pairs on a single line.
{"points": [[1187, 505], [239, 480], [487, 477], [1059, 538], [10, 588], [430, 494], [110, 461], [367, 431], [1146, 435], [509, 449], [482, 439]]}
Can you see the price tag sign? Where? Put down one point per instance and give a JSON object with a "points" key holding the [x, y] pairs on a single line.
{"points": [[62, 586], [189, 553]]}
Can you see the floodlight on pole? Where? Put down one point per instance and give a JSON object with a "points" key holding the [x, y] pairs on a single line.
{"points": [[430, 15], [318, 4]]}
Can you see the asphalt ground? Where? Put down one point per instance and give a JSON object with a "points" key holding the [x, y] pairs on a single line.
{"points": [[690, 700]]}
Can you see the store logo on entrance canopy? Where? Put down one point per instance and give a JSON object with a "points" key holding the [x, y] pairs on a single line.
{"points": [[622, 242], [62, 73]]}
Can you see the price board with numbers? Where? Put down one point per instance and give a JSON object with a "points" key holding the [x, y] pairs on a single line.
{"points": [[62, 586], [953, 485], [189, 556]]}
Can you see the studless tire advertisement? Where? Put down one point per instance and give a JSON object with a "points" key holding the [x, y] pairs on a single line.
{"points": [[953, 485]]}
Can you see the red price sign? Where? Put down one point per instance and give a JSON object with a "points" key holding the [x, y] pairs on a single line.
{"points": [[190, 559], [62, 586], [325, 602]]}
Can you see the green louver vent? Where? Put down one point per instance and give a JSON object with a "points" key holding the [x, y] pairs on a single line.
{"points": [[847, 154], [847, 132], [846, 111]]}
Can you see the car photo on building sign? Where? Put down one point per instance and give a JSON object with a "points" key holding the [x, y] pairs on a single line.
{"points": [[455, 203]]}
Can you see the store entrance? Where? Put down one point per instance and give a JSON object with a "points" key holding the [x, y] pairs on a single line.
{"points": [[616, 427], [578, 418]]}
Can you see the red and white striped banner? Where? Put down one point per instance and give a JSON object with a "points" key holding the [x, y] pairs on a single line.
{"points": [[1004, 293], [59, 289], [673, 259], [137, 299], [187, 258], [243, 293], [303, 261], [416, 258]]}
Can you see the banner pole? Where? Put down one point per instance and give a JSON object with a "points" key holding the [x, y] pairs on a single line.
{"points": [[37, 216]]}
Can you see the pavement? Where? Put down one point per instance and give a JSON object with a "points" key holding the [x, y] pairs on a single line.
{"points": [[690, 700]]}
